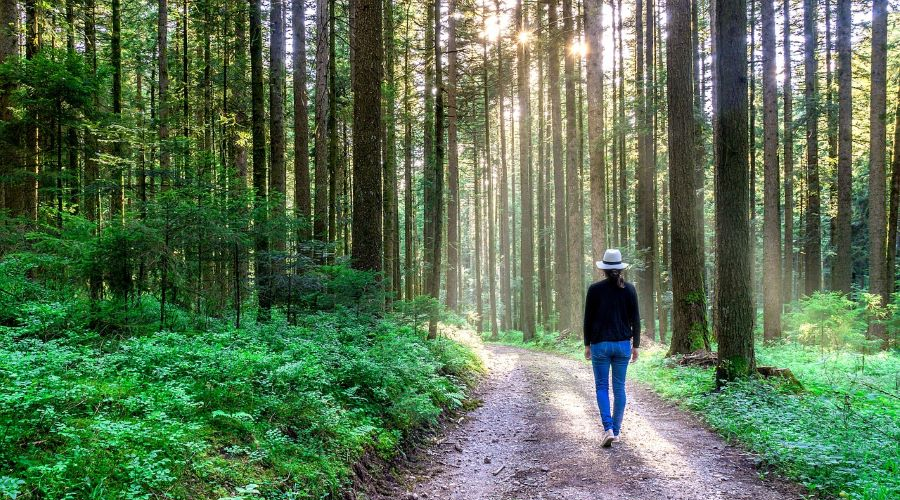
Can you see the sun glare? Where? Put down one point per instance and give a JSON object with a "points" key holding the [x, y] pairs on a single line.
{"points": [[493, 26], [578, 49]]}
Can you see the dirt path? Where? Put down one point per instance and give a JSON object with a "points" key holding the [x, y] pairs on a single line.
{"points": [[536, 437]]}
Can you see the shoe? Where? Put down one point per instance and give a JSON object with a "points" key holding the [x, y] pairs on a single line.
{"points": [[606, 439], [615, 438]]}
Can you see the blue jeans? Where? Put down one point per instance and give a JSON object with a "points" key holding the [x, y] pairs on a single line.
{"points": [[603, 356]]}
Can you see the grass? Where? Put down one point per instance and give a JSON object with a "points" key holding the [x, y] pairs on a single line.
{"points": [[839, 436], [274, 411]]}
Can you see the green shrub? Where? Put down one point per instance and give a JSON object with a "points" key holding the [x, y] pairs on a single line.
{"points": [[211, 413], [838, 437], [829, 320]]}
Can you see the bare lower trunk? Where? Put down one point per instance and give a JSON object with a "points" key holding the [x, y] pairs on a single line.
{"points": [[734, 311], [772, 301], [878, 275]]}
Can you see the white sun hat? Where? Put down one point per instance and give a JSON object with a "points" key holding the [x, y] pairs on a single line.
{"points": [[612, 259]]}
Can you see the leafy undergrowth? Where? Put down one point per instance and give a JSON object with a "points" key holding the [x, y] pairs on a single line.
{"points": [[273, 411], [839, 436]]}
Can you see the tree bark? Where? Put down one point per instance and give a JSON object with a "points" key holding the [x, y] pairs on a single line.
{"points": [[593, 26], [277, 171], [505, 249], [428, 152], [831, 132], [261, 242], [366, 85], [391, 223], [772, 301], [645, 227], [734, 314], [453, 271], [117, 200], [543, 188], [841, 270], [489, 175], [477, 271], [894, 206], [9, 40], [571, 317], [560, 227], [689, 326], [527, 321], [338, 169], [409, 215], [788, 254], [320, 203], [302, 189], [436, 188], [813, 239], [25, 203], [878, 276]]}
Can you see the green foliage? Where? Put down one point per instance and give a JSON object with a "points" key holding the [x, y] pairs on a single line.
{"points": [[196, 414], [829, 320], [837, 437], [98, 400]]}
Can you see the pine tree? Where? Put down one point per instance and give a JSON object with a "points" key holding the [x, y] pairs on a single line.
{"points": [[734, 311]]}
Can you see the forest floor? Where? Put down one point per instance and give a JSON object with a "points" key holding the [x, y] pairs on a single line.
{"points": [[535, 435]]}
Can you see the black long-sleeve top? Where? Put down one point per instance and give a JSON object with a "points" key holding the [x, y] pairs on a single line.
{"points": [[611, 313]]}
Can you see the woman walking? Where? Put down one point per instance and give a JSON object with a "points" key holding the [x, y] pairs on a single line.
{"points": [[612, 327]]}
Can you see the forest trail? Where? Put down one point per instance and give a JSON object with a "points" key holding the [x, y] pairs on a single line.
{"points": [[536, 436]]}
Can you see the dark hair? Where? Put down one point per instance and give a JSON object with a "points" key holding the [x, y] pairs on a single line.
{"points": [[615, 274]]}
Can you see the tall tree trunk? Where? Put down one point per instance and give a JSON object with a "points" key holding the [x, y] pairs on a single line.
{"points": [[752, 208], [261, 242], [428, 151], [320, 203], [476, 195], [734, 315], [560, 227], [841, 277], [489, 175], [238, 83], [337, 169], [409, 215], [453, 267], [391, 222], [527, 322], [878, 275], [366, 83], [645, 227], [614, 146], [544, 285], [772, 183], [185, 90], [623, 194], [571, 317], [302, 191], [25, 203], [831, 132], [117, 200], [9, 40], [788, 254], [894, 205], [689, 327], [277, 172], [700, 118], [439, 149], [503, 210], [593, 26], [813, 239]]}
